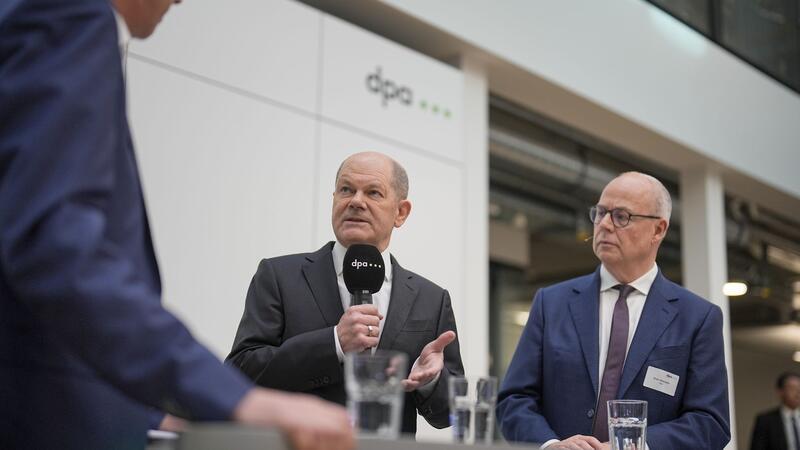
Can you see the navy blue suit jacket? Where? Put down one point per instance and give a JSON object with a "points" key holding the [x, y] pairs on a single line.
{"points": [[551, 387], [84, 341]]}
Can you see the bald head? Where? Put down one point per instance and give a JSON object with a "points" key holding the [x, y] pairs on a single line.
{"points": [[399, 178], [657, 193], [628, 248]]}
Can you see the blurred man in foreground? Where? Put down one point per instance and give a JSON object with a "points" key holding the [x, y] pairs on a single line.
{"points": [[623, 332], [85, 346]]}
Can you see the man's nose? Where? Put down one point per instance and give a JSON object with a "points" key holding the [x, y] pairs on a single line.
{"points": [[606, 221], [357, 200]]}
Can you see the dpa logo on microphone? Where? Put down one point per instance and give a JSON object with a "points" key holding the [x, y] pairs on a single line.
{"points": [[359, 264], [388, 89]]}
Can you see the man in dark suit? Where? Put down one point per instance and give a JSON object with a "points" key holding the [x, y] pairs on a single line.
{"points": [[297, 323], [86, 348], [779, 429], [623, 332]]}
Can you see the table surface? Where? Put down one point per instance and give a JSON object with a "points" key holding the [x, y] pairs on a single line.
{"points": [[226, 435]]}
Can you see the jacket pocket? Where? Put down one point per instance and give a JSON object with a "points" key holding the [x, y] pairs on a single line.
{"points": [[671, 352], [418, 325]]}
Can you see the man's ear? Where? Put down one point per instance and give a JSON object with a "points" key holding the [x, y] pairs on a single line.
{"points": [[403, 210], [661, 231]]}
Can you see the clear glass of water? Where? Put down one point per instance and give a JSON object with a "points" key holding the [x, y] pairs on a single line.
{"points": [[375, 392], [485, 400], [460, 408], [627, 424], [472, 410]]}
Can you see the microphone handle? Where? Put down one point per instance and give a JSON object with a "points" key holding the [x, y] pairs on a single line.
{"points": [[360, 298]]}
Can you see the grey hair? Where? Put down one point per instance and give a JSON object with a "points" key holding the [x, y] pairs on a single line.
{"points": [[399, 180], [399, 176], [662, 198]]}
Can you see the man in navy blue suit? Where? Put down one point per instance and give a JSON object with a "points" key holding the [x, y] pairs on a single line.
{"points": [[623, 332], [86, 349]]}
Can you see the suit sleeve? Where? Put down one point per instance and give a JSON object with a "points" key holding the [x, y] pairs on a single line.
{"points": [[61, 120], [435, 407], [299, 363], [704, 418], [519, 403]]}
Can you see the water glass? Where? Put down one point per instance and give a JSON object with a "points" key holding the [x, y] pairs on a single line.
{"points": [[374, 392], [472, 411], [485, 401], [460, 408], [627, 424]]}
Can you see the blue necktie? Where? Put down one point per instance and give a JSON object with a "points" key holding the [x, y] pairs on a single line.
{"points": [[615, 361], [796, 434]]}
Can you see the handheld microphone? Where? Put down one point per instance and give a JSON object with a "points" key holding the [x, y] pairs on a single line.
{"points": [[363, 273]]}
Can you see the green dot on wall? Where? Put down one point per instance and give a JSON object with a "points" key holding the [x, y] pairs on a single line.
{"points": [[447, 113], [436, 109], [423, 104]]}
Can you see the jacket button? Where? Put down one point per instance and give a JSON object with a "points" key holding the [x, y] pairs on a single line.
{"points": [[590, 413], [326, 380]]}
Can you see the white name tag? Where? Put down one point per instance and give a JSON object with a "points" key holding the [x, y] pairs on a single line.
{"points": [[661, 380]]}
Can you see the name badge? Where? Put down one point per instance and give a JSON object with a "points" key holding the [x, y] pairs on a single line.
{"points": [[661, 380]]}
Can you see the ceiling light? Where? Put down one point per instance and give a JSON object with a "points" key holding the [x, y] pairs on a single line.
{"points": [[521, 318], [797, 356], [734, 288]]}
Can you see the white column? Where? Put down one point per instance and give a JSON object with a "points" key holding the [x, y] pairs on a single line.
{"points": [[474, 325], [705, 262], [472, 319]]}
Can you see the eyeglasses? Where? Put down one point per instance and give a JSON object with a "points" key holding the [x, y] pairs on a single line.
{"points": [[619, 217]]}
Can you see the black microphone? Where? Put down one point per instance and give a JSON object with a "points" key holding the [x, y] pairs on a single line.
{"points": [[363, 273]]}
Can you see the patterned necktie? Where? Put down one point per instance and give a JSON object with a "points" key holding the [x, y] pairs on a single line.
{"points": [[615, 361], [796, 434]]}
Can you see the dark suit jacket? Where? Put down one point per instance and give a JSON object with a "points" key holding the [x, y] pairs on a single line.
{"points": [[285, 339], [84, 341], [769, 432], [551, 387]]}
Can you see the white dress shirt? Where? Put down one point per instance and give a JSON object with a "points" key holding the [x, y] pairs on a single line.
{"points": [[123, 37], [786, 415], [608, 298]]}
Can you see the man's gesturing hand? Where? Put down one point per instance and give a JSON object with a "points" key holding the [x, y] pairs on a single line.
{"points": [[429, 363]]}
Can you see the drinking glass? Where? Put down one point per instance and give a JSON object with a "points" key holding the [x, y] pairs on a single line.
{"points": [[375, 392], [627, 424]]}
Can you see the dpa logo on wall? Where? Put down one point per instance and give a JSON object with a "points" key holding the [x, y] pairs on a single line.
{"points": [[392, 91], [388, 89]]}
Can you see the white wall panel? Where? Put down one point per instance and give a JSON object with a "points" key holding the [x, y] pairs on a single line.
{"points": [[380, 87], [267, 47], [227, 182]]}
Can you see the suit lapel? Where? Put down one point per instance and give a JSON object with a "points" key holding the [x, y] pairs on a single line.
{"points": [[657, 314], [321, 278], [584, 308], [404, 293]]}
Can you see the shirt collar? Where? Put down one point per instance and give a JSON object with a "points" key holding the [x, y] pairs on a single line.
{"points": [[788, 413], [338, 261], [641, 284], [123, 35]]}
